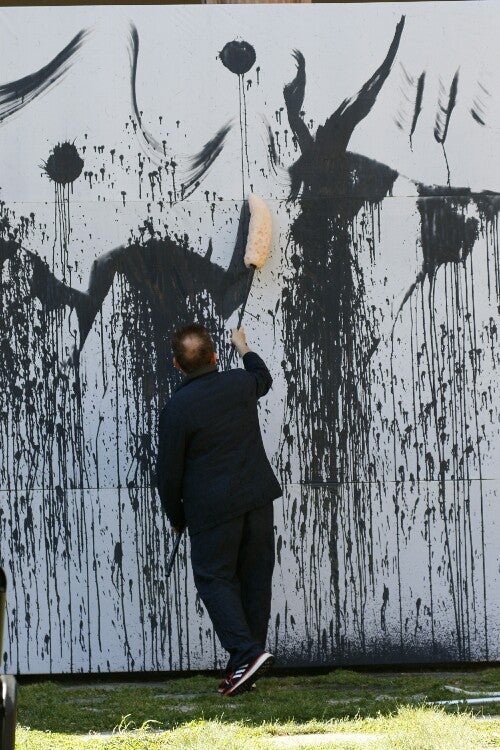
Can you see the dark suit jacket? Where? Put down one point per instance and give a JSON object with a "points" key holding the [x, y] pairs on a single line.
{"points": [[211, 460]]}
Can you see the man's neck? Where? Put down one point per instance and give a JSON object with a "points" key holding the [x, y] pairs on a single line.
{"points": [[188, 376]]}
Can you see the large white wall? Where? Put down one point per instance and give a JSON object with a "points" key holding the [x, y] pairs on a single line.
{"points": [[388, 532]]}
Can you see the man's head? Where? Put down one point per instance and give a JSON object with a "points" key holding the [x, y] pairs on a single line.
{"points": [[193, 348]]}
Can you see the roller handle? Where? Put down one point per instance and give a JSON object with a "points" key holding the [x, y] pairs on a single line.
{"points": [[171, 559], [242, 312]]}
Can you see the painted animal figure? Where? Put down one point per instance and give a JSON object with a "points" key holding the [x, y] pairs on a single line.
{"points": [[331, 332], [331, 185]]}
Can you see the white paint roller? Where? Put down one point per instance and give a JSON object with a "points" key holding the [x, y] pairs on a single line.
{"points": [[260, 230], [259, 233], [257, 247]]}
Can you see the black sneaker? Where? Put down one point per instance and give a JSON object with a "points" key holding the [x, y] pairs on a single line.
{"points": [[223, 686], [243, 677]]}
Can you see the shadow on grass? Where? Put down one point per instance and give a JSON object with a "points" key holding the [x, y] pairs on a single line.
{"points": [[72, 708]]}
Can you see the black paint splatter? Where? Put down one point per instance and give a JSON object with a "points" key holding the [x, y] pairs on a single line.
{"points": [[238, 57], [64, 164], [327, 327], [333, 421]]}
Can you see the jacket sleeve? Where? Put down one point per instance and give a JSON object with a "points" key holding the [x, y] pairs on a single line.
{"points": [[255, 365], [170, 465]]}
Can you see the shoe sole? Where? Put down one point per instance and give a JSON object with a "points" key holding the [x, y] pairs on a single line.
{"points": [[259, 668], [253, 686]]}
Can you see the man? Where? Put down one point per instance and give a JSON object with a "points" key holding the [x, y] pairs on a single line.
{"points": [[214, 477]]}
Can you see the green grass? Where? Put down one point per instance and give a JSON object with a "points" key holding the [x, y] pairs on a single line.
{"points": [[407, 729], [185, 712]]}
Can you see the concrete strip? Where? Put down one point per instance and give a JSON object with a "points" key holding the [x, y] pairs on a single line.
{"points": [[341, 739]]}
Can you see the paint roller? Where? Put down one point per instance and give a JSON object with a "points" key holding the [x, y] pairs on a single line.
{"points": [[257, 247], [256, 253]]}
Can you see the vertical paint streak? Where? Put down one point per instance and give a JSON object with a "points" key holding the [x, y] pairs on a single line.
{"points": [[242, 135], [475, 351], [329, 335], [396, 496]]}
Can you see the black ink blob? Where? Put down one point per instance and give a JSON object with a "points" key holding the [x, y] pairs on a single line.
{"points": [[238, 57], [64, 164]]}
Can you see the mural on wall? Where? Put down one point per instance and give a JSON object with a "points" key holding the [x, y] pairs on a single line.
{"points": [[125, 168]]}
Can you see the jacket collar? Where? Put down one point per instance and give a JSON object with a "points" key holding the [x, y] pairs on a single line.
{"points": [[197, 374]]}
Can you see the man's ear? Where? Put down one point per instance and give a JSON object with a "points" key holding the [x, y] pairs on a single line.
{"points": [[213, 361], [177, 365]]}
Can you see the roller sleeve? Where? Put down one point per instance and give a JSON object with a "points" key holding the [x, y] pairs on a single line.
{"points": [[259, 233]]}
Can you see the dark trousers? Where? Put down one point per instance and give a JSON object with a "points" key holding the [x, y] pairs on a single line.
{"points": [[233, 567]]}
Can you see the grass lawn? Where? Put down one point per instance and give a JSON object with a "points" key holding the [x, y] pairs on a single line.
{"points": [[376, 710]]}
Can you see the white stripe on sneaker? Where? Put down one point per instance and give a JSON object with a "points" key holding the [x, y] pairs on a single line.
{"points": [[254, 670]]}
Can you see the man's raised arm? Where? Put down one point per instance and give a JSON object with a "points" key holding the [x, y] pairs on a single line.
{"points": [[252, 362]]}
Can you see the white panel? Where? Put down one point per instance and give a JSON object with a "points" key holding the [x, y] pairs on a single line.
{"points": [[377, 314]]}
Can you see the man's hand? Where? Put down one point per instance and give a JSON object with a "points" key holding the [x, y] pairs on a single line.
{"points": [[239, 341]]}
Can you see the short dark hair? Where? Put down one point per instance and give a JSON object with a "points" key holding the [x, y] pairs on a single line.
{"points": [[191, 360]]}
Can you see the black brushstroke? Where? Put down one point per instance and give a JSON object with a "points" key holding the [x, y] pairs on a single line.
{"points": [[168, 276], [203, 160], [477, 109], [475, 114], [272, 154], [134, 54], [418, 105], [293, 94], [48, 289], [17, 94], [443, 117]]}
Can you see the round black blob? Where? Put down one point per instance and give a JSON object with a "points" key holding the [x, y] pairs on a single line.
{"points": [[64, 164], [238, 57]]}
